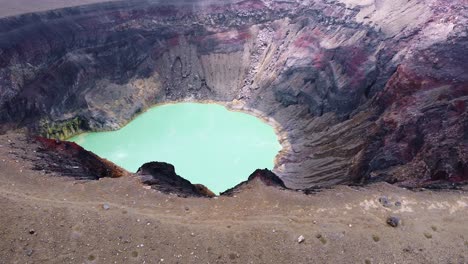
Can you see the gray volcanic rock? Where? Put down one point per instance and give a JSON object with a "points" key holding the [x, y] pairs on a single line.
{"points": [[364, 90], [265, 176], [161, 176]]}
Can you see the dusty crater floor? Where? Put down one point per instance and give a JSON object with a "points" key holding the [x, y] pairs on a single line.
{"points": [[49, 219]]}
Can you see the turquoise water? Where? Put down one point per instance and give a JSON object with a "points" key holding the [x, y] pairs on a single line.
{"points": [[206, 143]]}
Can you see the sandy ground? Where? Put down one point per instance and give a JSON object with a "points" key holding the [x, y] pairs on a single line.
{"points": [[50, 219], [17, 7]]}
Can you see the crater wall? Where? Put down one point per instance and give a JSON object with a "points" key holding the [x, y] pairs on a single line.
{"points": [[365, 92]]}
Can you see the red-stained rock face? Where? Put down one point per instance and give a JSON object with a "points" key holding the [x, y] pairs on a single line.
{"points": [[69, 159], [425, 138]]}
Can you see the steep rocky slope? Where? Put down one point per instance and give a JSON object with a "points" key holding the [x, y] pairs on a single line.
{"points": [[363, 90]]}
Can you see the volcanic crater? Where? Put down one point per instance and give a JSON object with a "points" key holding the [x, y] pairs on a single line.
{"points": [[362, 94], [359, 95]]}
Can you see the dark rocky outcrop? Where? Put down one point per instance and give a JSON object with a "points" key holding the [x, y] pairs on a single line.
{"points": [[364, 92], [204, 191], [161, 176], [69, 159], [265, 176]]}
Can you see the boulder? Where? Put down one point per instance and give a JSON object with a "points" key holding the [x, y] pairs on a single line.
{"points": [[161, 176]]}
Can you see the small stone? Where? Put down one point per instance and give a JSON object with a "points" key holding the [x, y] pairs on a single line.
{"points": [[384, 201], [398, 204], [376, 238], [32, 231], [300, 239], [407, 249], [29, 252], [393, 221], [105, 206], [321, 238]]}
